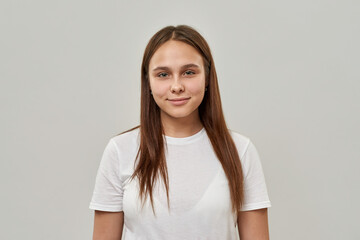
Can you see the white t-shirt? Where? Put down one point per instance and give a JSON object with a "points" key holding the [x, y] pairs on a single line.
{"points": [[200, 204]]}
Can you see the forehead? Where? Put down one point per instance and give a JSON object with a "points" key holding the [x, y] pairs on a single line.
{"points": [[174, 53]]}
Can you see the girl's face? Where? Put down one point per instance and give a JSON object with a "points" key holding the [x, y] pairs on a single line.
{"points": [[177, 80]]}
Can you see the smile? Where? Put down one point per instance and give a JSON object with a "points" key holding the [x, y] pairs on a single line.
{"points": [[179, 101]]}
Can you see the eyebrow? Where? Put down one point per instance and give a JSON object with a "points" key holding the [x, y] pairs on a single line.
{"points": [[182, 67]]}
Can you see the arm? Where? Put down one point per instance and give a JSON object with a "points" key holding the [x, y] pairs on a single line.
{"points": [[108, 225], [253, 225]]}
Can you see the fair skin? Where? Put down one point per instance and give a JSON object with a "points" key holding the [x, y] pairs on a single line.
{"points": [[253, 225], [108, 225], [176, 70]]}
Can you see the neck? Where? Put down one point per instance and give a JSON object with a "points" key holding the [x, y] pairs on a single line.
{"points": [[181, 127]]}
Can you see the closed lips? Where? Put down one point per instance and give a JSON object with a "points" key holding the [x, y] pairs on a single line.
{"points": [[178, 99]]}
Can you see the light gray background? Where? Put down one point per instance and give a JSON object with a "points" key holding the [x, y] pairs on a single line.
{"points": [[289, 79]]}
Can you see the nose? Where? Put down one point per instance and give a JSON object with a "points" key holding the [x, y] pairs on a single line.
{"points": [[176, 86]]}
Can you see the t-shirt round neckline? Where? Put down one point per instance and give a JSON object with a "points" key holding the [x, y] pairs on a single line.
{"points": [[185, 140]]}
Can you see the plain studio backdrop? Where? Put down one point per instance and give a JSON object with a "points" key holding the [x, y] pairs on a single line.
{"points": [[70, 80]]}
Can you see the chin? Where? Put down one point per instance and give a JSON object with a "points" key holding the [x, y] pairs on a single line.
{"points": [[181, 113], [178, 115]]}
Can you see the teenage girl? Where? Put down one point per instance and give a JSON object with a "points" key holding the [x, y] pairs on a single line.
{"points": [[181, 174]]}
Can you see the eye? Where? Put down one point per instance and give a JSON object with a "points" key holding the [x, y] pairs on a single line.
{"points": [[189, 72], [163, 74]]}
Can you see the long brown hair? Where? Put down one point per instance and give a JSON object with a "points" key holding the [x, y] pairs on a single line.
{"points": [[152, 160]]}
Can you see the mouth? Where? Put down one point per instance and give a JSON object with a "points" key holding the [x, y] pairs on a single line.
{"points": [[178, 99]]}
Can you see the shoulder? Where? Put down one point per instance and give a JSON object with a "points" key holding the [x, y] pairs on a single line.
{"points": [[120, 152], [126, 145], [241, 141], [127, 139]]}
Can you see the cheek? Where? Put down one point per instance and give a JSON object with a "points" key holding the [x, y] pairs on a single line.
{"points": [[196, 88], [159, 89]]}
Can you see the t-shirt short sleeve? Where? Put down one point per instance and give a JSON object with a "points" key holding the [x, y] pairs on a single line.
{"points": [[255, 191], [108, 192]]}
